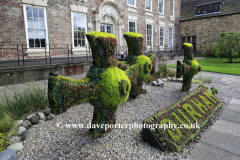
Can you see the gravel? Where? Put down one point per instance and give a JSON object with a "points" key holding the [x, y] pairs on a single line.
{"points": [[53, 141]]}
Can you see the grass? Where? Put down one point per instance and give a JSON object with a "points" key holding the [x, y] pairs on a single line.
{"points": [[16, 107], [219, 66]]}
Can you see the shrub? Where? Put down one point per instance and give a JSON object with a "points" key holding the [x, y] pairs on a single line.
{"points": [[135, 43], [149, 78], [164, 72], [205, 79]]}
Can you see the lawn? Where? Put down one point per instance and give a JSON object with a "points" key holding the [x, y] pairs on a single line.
{"points": [[217, 65]]}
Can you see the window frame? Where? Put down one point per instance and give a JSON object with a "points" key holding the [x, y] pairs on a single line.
{"points": [[86, 42], [147, 35], [150, 5], [162, 7], [135, 25], [45, 25], [162, 36], [169, 36], [105, 28], [173, 8], [134, 5], [207, 5]]}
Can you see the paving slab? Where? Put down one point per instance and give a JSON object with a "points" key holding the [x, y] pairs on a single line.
{"points": [[234, 106], [224, 126], [236, 95], [223, 82], [236, 83], [231, 116], [203, 151], [222, 140]]}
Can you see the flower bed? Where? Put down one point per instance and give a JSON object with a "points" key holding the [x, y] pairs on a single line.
{"points": [[191, 112]]}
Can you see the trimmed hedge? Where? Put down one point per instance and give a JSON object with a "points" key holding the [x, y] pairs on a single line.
{"points": [[108, 83], [188, 68], [191, 111]]}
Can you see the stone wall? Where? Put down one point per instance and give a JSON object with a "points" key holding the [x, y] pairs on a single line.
{"points": [[207, 30], [12, 27]]}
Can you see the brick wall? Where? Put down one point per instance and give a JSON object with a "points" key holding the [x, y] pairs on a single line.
{"points": [[12, 27], [207, 30]]}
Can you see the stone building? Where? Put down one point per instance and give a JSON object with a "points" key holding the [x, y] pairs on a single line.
{"points": [[203, 20], [37, 23]]}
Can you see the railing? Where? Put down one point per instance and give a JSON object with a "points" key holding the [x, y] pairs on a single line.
{"points": [[16, 55]]}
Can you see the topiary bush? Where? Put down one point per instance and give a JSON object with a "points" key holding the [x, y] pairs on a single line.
{"points": [[188, 68], [108, 83]]}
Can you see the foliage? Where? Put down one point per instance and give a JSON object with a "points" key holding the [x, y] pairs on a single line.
{"points": [[144, 66], [21, 103], [6, 120], [3, 141], [205, 79], [114, 83], [164, 72], [135, 43], [227, 46], [149, 78], [188, 68], [198, 106]]}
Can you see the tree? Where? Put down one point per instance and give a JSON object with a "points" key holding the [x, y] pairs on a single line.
{"points": [[227, 46]]}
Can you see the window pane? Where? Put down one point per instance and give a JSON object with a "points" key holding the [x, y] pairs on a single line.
{"points": [[183, 39], [42, 34], [171, 7], [37, 43], [199, 10], [42, 42], [41, 22], [194, 38], [30, 34], [36, 33], [40, 13], [216, 7], [82, 35], [31, 42], [30, 22], [35, 12], [188, 39], [148, 4], [29, 11], [79, 35], [75, 34], [36, 23], [161, 39], [75, 42], [210, 8], [83, 43], [161, 43], [160, 6], [204, 9], [74, 17], [75, 26]]}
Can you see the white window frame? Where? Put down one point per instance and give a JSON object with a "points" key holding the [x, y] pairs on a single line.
{"points": [[134, 5], [162, 36], [135, 25], [105, 28], [150, 5], [169, 36], [45, 25], [147, 35], [86, 42], [173, 8], [162, 7]]}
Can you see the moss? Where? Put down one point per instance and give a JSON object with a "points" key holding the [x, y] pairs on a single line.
{"points": [[96, 34], [144, 66], [175, 137], [191, 112], [109, 86]]}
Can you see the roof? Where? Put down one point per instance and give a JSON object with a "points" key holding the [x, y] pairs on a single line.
{"points": [[189, 8]]}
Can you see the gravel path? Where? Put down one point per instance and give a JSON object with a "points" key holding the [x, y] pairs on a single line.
{"points": [[52, 142]]}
